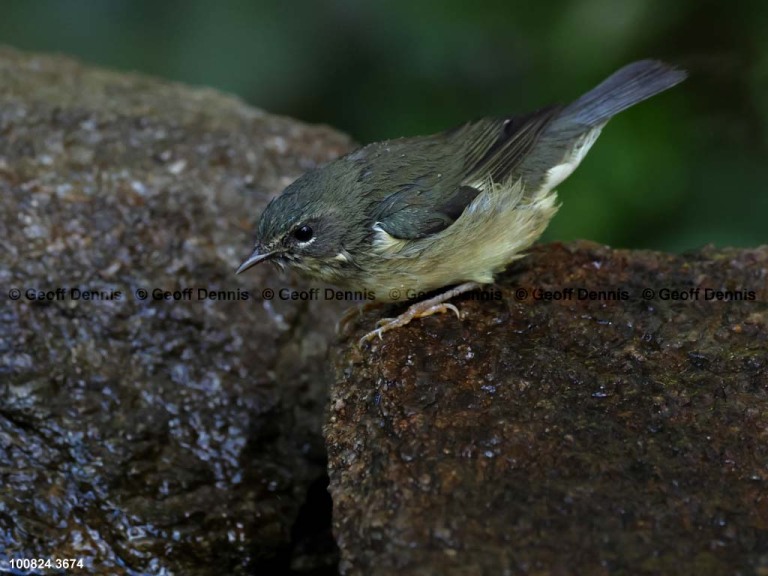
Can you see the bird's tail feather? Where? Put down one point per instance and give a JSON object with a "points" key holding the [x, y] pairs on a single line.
{"points": [[624, 88]]}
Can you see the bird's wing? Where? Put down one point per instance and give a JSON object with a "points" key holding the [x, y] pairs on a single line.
{"points": [[495, 147], [453, 168], [417, 213]]}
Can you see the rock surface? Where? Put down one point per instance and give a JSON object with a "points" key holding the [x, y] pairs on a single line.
{"points": [[622, 433], [143, 435], [549, 432]]}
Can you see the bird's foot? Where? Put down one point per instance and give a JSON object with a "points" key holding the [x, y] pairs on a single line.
{"points": [[434, 305]]}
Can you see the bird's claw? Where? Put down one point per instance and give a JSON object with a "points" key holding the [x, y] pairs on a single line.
{"points": [[387, 324]]}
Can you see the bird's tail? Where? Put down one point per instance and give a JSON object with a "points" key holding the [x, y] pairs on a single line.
{"points": [[624, 88]]}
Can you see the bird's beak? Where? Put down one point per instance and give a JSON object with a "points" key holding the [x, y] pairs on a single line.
{"points": [[253, 259]]}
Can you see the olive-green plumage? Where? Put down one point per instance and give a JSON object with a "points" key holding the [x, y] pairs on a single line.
{"points": [[426, 212]]}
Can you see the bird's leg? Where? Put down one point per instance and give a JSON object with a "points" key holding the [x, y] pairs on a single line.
{"points": [[420, 310], [351, 313]]}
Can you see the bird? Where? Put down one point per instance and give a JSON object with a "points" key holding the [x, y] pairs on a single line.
{"points": [[418, 214]]}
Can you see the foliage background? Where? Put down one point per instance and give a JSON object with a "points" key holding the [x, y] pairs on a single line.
{"points": [[684, 169]]}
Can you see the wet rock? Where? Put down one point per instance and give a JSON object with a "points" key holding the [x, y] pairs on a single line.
{"points": [[158, 415], [618, 429]]}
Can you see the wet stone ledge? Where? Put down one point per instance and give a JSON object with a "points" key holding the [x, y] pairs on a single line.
{"points": [[144, 435], [596, 414]]}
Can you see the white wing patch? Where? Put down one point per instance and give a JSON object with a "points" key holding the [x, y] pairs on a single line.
{"points": [[383, 241], [557, 174]]}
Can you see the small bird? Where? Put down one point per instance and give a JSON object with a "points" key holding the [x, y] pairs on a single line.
{"points": [[417, 214]]}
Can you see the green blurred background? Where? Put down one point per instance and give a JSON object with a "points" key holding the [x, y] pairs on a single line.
{"points": [[681, 170]]}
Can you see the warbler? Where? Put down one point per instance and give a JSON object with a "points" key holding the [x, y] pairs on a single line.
{"points": [[414, 215]]}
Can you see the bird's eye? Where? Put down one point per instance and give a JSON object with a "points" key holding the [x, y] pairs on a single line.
{"points": [[303, 234]]}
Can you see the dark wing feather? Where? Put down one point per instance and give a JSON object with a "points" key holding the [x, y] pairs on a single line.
{"points": [[409, 215], [497, 146], [452, 164]]}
